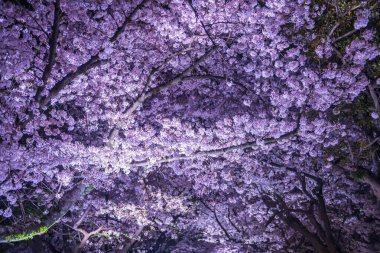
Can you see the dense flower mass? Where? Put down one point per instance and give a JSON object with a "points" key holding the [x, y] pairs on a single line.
{"points": [[362, 18], [189, 126]]}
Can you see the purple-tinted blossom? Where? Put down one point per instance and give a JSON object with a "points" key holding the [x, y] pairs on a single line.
{"points": [[7, 213], [174, 120], [362, 17], [293, 66], [324, 50]]}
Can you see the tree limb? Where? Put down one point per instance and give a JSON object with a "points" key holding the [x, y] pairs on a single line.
{"points": [[68, 200], [217, 152], [292, 221], [374, 97], [168, 84], [93, 62], [147, 94], [128, 19], [53, 40]]}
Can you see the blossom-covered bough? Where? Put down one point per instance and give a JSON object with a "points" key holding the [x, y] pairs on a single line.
{"points": [[189, 126]]}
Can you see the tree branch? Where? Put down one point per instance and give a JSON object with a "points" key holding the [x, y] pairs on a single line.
{"points": [[232, 223], [93, 62], [222, 227], [292, 221], [314, 222], [374, 97], [128, 19], [86, 237], [128, 246], [170, 83], [203, 26], [53, 41], [363, 175], [68, 200], [217, 152], [325, 219], [147, 94]]}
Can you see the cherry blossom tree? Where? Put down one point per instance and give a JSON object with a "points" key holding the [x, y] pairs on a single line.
{"points": [[189, 126]]}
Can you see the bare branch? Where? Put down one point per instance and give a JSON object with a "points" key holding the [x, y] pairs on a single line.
{"points": [[354, 30], [375, 98], [86, 237], [77, 224]]}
